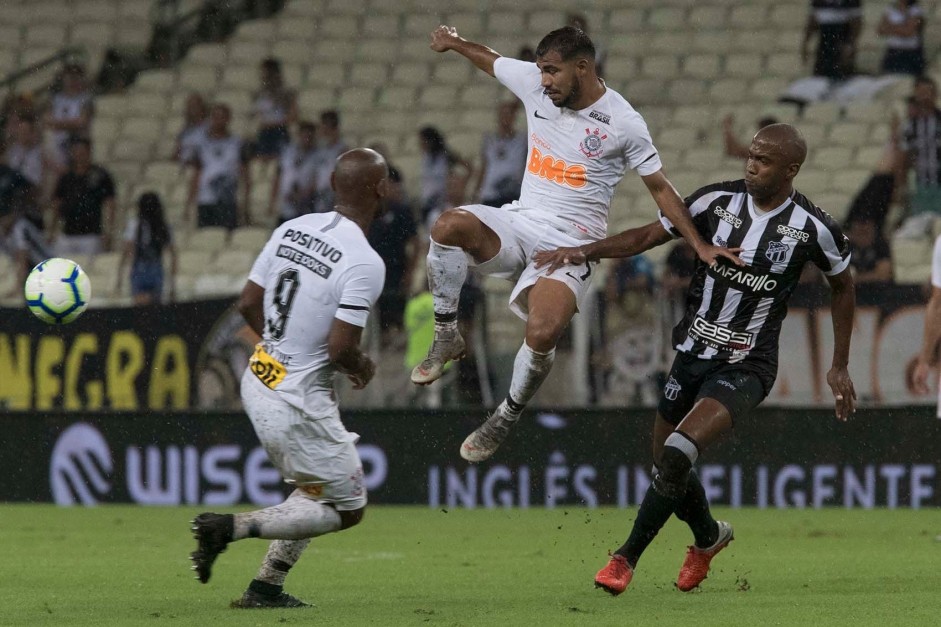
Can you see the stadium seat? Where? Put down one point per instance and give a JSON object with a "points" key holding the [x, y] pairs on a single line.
{"points": [[377, 49], [414, 74], [686, 90], [663, 67], [264, 31], [743, 66], [505, 23], [249, 238], [703, 66], [233, 261], [197, 78], [848, 134], [208, 239], [666, 18], [369, 74], [207, 54], [708, 17]]}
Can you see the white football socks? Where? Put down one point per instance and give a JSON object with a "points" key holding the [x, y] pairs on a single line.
{"points": [[447, 269], [281, 556], [529, 371], [295, 519]]}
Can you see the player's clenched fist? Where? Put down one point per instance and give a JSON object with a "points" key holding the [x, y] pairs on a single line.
{"points": [[443, 37]]}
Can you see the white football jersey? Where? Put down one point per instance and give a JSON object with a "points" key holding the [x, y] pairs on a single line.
{"points": [[576, 158], [314, 268]]}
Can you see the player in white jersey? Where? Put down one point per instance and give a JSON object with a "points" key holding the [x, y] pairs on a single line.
{"points": [[932, 336], [308, 295], [583, 137]]}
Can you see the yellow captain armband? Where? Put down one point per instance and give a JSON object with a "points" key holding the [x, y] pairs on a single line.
{"points": [[268, 369]]}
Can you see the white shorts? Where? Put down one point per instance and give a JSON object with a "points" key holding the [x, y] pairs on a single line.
{"points": [[318, 456], [521, 235]]}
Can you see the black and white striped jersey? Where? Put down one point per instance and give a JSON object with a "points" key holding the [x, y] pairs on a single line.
{"points": [[921, 138], [734, 313], [25, 237]]}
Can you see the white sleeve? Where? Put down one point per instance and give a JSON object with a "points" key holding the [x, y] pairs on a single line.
{"points": [[639, 150], [360, 291], [259, 272], [936, 263], [520, 77]]}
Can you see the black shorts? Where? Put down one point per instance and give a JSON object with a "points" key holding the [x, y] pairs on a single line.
{"points": [[739, 387]]}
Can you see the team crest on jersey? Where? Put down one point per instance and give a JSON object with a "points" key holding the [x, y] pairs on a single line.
{"points": [[777, 251], [593, 144], [672, 389]]}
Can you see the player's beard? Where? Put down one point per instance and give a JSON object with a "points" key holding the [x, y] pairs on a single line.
{"points": [[573, 94]]}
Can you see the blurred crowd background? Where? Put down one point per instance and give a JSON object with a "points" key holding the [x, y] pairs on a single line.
{"points": [[158, 142]]}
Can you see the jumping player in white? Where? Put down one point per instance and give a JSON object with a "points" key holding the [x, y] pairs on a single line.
{"points": [[582, 136], [308, 296]]}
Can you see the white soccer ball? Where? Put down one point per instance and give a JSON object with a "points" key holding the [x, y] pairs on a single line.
{"points": [[57, 291]]}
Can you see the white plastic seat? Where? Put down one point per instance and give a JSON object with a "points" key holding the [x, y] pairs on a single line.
{"points": [[208, 239]]}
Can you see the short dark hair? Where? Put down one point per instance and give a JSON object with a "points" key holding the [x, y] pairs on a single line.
{"points": [[330, 117], [80, 140], [271, 64], [306, 125], [569, 42]]}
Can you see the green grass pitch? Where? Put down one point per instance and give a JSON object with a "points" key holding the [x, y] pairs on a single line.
{"points": [[420, 566]]}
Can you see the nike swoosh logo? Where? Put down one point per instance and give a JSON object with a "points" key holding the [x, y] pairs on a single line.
{"points": [[540, 116]]}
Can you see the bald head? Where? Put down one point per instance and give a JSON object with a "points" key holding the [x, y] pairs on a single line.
{"points": [[360, 180], [784, 140], [359, 169]]}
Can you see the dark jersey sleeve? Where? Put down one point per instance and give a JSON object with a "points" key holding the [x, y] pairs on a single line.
{"points": [[831, 251], [698, 203]]}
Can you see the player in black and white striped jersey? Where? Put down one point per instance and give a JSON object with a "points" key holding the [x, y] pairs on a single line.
{"points": [[727, 342]]}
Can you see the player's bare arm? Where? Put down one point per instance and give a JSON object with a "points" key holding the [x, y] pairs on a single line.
{"points": [[625, 244], [929, 343], [345, 353], [251, 306], [445, 38], [842, 307], [672, 206]]}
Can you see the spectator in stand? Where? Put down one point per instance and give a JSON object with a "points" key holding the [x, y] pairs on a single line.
{"points": [[920, 145], [22, 240], [195, 125], [871, 260], [331, 147], [296, 178], [837, 24], [580, 22], [527, 54], [874, 200], [146, 238], [15, 107], [275, 109], [83, 205], [394, 236], [503, 160], [115, 74], [733, 147], [903, 26], [438, 164], [70, 110], [26, 153], [221, 169]]}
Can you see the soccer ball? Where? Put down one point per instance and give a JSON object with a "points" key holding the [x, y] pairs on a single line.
{"points": [[57, 291]]}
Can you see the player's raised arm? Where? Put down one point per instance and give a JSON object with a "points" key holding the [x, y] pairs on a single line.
{"points": [[445, 38], [842, 307], [672, 206], [625, 244]]}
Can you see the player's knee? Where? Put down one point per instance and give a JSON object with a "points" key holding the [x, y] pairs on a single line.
{"points": [[351, 518], [676, 461], [454, 227], [542, 334]]}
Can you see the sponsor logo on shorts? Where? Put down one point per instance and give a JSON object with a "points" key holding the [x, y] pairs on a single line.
{"points": [[593, 144], [556, 170], [720, 337], [604, 118], [726, 384], [725, 216], [777, 251], [672, 389], [790, 231]]}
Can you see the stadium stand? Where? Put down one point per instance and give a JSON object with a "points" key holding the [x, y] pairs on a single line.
{"points": [[684, 65]]}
